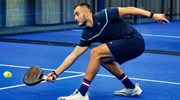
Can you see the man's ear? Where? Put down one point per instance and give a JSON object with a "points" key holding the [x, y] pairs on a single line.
{"points": [[86, 13]]}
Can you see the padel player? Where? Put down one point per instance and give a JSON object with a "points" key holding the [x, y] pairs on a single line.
{"points": [[120, 43]]}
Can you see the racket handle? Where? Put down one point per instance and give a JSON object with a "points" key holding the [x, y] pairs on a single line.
{"points": [[45, 77]]}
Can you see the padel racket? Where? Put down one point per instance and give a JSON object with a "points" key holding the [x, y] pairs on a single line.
{"points": [[34, 75]]}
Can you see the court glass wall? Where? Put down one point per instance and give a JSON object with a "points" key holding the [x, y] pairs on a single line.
{"points": [[21, 17]]}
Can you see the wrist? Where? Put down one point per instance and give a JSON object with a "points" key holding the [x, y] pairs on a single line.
{"points": [[54, 73]]}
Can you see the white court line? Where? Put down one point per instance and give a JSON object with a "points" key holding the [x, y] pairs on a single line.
{"points": [[149, 35], [78, 30], [162, 36], [102, 75], [10, 87], [146, 80], [47, 69], [21, 85]]}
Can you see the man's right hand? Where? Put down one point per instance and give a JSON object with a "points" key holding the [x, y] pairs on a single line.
{"points": [[51, 76]]}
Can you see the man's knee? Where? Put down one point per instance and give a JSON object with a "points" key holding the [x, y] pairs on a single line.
{"points": [[101, 54], [95, 52]]}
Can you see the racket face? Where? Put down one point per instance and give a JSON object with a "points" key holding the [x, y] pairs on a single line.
{"points": [[33, 75]]}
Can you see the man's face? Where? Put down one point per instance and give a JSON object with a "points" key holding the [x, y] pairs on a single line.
{"points": [[79, 16]]}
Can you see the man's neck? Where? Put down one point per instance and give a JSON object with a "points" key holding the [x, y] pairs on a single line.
{"points": [[89, 22]]}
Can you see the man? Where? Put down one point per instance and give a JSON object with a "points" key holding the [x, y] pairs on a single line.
{"points": [[120, 43]]}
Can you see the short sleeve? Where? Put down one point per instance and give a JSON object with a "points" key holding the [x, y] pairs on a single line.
{"points": [[113, 13], [84, 43]]}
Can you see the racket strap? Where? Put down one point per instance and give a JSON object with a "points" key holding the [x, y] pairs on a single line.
{"points": [[54, 73]]}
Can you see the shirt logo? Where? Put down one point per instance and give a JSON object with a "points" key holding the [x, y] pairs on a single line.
{"points": [[99, 23]]}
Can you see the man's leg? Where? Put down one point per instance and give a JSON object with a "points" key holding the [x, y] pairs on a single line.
{"points": [[130, 89], [96, 55], [102, 55], [112, 67], [115, 69]]}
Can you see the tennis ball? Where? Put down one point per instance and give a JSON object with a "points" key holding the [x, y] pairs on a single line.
{"points": [[7, 74]]}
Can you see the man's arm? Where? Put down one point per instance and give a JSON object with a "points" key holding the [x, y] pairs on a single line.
{"points": [[69, 60], [137, 11]]}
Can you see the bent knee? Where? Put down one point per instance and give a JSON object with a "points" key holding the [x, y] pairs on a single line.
{"points": [[95, 52]]}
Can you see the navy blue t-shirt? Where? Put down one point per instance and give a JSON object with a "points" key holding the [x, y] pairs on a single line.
{"points": [[107, 26]]}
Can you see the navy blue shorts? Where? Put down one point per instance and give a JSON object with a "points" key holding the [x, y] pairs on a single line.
{"points": [[126, 49]]}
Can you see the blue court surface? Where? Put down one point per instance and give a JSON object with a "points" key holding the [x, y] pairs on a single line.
{"points": [[157, 74]]}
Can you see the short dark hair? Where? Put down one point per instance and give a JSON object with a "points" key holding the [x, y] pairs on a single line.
{"points": [[83, 4]]}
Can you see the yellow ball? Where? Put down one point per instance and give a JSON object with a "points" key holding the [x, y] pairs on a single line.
{"points": [[7, 74]]}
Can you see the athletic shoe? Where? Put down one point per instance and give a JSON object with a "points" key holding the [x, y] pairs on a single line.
{"points": [[75, 96], [129, 92]]}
